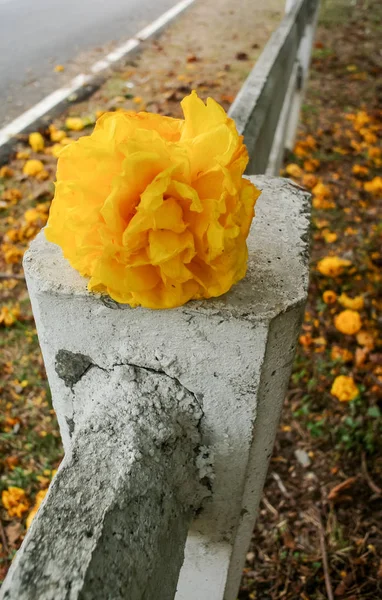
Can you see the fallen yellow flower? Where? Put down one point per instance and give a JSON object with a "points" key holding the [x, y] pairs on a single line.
{"points": [[338, 353], [374, 186], [294, 170], [15, 502], [6, 172], [329, 297], [74, 123], [56, 135], [359, 170], [33, 167], [155, 210], [36, 141], [356, 303], [11, 195], [12, 254], [332, 266], [8, 316], [348, 322], [344, 388]]}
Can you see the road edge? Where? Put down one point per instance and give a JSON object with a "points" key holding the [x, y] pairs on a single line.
{"points": [[83, 85]]}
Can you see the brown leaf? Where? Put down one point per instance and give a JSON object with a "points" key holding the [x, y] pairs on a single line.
{"points": [[242, 56], [13, 533], [338, 489]]}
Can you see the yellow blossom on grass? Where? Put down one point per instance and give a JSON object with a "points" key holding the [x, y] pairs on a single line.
{"points": [[332, 266], [6, 172], [154, 209], [56, 135], [356, 303], [8, 316], [322, 190], [329, 297], [74, 123], [42, 175], [12, 195], [348, 322], [39, 498], [23, 154], [338, 353], [309, 181], [12, 254], [374, 186], [294, 170], [33, 167], [15, 502], [59, 68], [311, 165], [366, 339], [344, 388], [359, 170], [36, 141], [329, 236]]}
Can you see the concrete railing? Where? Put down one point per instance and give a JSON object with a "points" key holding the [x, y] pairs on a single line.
{"points": [[267, 108], [168, 420]]}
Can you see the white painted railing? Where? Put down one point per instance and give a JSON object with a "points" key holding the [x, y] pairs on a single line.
{"points": [[267, 108], [168, 418]]}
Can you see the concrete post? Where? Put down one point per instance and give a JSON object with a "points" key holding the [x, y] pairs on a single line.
{"points": [[181, 409]]}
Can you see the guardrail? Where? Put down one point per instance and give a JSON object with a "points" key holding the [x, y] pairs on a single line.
{"points": [[168, 418], [267, 108]]}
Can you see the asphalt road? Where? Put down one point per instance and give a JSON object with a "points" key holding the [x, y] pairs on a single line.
{"points": [[36, 35]]}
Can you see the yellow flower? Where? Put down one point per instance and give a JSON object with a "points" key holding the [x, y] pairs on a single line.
{"points": [[294, 170], [74, 123], [356, 303], [344, 388], [33, 167], [311, 165], [23, 154], [15, 502], [332, 266], [321, 190], [374, 186], [36, 142], [329, 236], [56, 135], [338, 353], [39, 498], [8, 316], [366, 339], [348, 322], [359, 170], [309, 181], [155, 210], [6, 172], [11, 195], [12, 254], [329, 297], [59, 68]]}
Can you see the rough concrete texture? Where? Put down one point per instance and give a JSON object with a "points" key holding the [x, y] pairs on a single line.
{"points": [[233, 354], [116, 517]]}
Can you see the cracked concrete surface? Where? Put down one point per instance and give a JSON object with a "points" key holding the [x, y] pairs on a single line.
{"points": [[122, 524]]}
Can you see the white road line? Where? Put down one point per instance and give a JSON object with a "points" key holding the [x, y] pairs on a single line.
{"points": [[41, 108]]}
